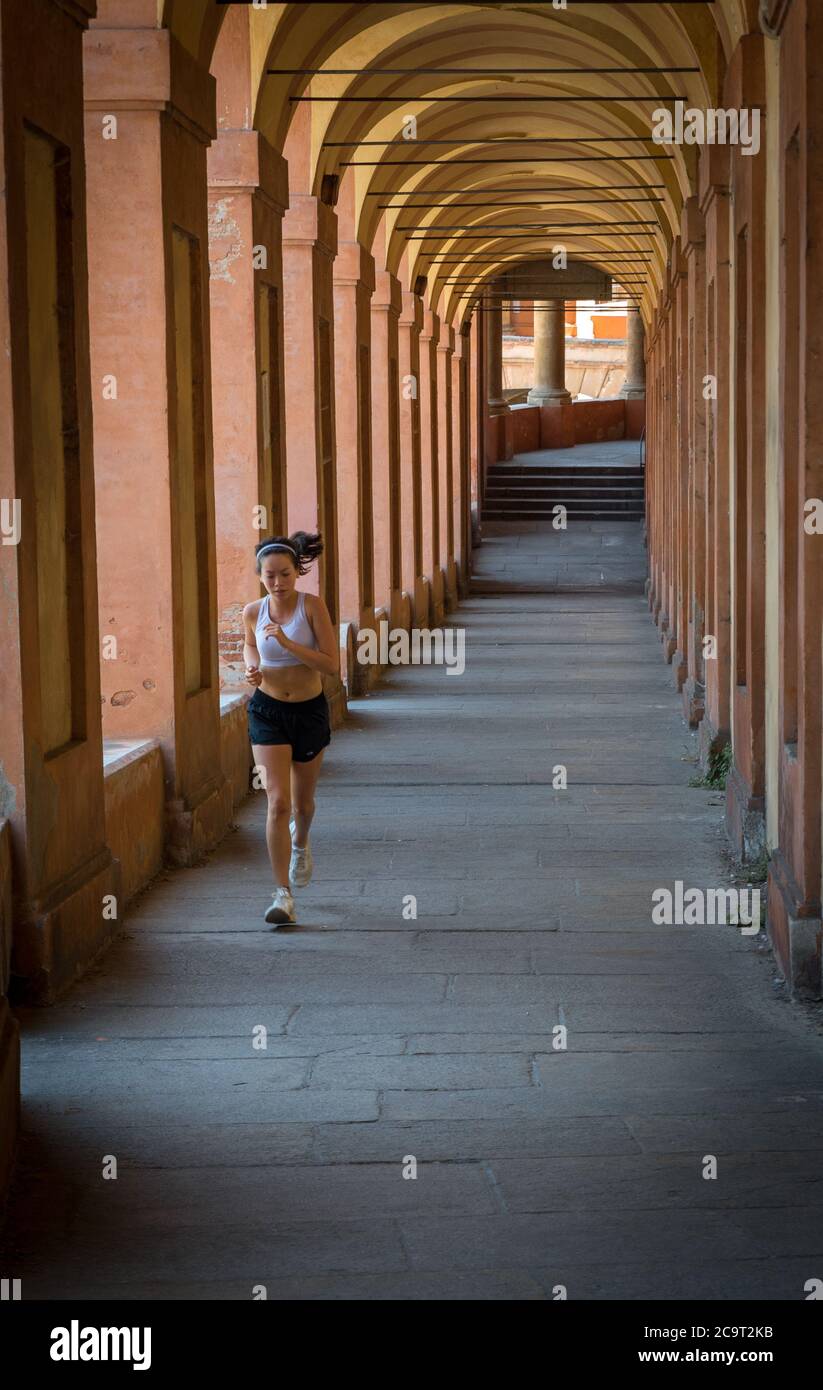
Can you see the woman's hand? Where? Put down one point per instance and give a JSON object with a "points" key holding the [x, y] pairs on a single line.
{"points": [[275, 630], [254, 675]]}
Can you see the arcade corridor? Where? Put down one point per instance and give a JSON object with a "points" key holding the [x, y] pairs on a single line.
{"points": [[505, 318], [433, 1038]]}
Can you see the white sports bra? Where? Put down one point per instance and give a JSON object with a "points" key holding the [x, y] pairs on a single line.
{"points": [[298, 628]]}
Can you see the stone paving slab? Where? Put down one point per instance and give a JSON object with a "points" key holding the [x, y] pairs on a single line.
{"points": [[433, 1037]]}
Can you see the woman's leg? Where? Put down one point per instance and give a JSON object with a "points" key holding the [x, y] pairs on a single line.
{"points": [[303, 782], [275, 760]]}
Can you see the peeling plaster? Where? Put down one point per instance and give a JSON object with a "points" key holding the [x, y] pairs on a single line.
{"points": [[223, 227], [8, 796]]}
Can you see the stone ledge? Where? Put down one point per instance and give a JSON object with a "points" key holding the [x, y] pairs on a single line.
{"points": [[119, 752]]}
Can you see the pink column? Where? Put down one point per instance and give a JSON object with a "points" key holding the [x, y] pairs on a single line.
{"points": [[353, 287], [429, 339], [386, 305], [309, 248], [151, 382], [445, 356], [52, 815], [248, 194], [477, 421], [461, 508], [415, 583]]}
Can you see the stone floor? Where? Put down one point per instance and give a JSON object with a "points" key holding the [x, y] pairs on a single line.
{"points": [[619, 453], [392, 1038]]}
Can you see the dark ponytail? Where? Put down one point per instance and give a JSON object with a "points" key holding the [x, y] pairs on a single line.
{"points": [[305, 545], [309, 546]]}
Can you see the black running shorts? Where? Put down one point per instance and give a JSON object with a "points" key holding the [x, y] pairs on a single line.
{"points": [[302, 723]]}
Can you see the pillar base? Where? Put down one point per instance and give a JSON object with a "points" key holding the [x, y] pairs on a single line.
{"points": [[437, 603], [58, 937], [402, 609], [680, 669], [365, 674], [421, 608], [632, 393], [9, 1095], [745, 819], [498, 407], [550, 396], [452, 585], [797, 939], [709, 742], [335, 693], [694, 700], [191, 831]]}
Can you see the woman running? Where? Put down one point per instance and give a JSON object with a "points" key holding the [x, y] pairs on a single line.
{"points": [[289, 643]]}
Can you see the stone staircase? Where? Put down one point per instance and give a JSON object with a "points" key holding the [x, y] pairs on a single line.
{"points": [[518, 491]]}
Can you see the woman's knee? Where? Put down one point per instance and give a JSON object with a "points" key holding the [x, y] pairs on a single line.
{"points": [[278, 802], [304, 806]]}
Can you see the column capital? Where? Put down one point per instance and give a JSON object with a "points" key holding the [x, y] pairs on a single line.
{"points": [[430, 331], [773, 15], [677, 265], [411, 314], [243, 161], [354, 266], [713, 176], [692, 227], [310, 222], [446, 343], [148, 70], [388, 293]]}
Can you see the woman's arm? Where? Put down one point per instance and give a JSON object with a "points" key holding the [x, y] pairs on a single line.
{"points": [[326, 657], [251, 656]]}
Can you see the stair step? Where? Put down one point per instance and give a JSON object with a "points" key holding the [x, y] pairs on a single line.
{"points": [[561, 492], [515, 471], [574, 516], [572, 509]]}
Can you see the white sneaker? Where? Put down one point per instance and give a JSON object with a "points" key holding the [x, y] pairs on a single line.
{"points": [[300, 866], [282, 908]]}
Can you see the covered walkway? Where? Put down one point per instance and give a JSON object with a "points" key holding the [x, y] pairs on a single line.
{"points": [[392, 1038]]}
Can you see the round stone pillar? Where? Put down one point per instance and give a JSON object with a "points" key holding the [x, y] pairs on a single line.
{"points": [[549, 354], [498, 405], [634, 387]]}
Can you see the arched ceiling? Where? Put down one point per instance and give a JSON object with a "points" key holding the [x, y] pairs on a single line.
{"points": [[621, 213]]}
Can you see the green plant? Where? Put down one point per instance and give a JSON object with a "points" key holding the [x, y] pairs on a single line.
{"points": [[720, 761]]}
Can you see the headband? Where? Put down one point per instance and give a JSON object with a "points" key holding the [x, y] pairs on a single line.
{"points": [[276, 545]]}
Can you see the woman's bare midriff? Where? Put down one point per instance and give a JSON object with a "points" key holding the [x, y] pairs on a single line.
{"points": [[291, 683]]}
